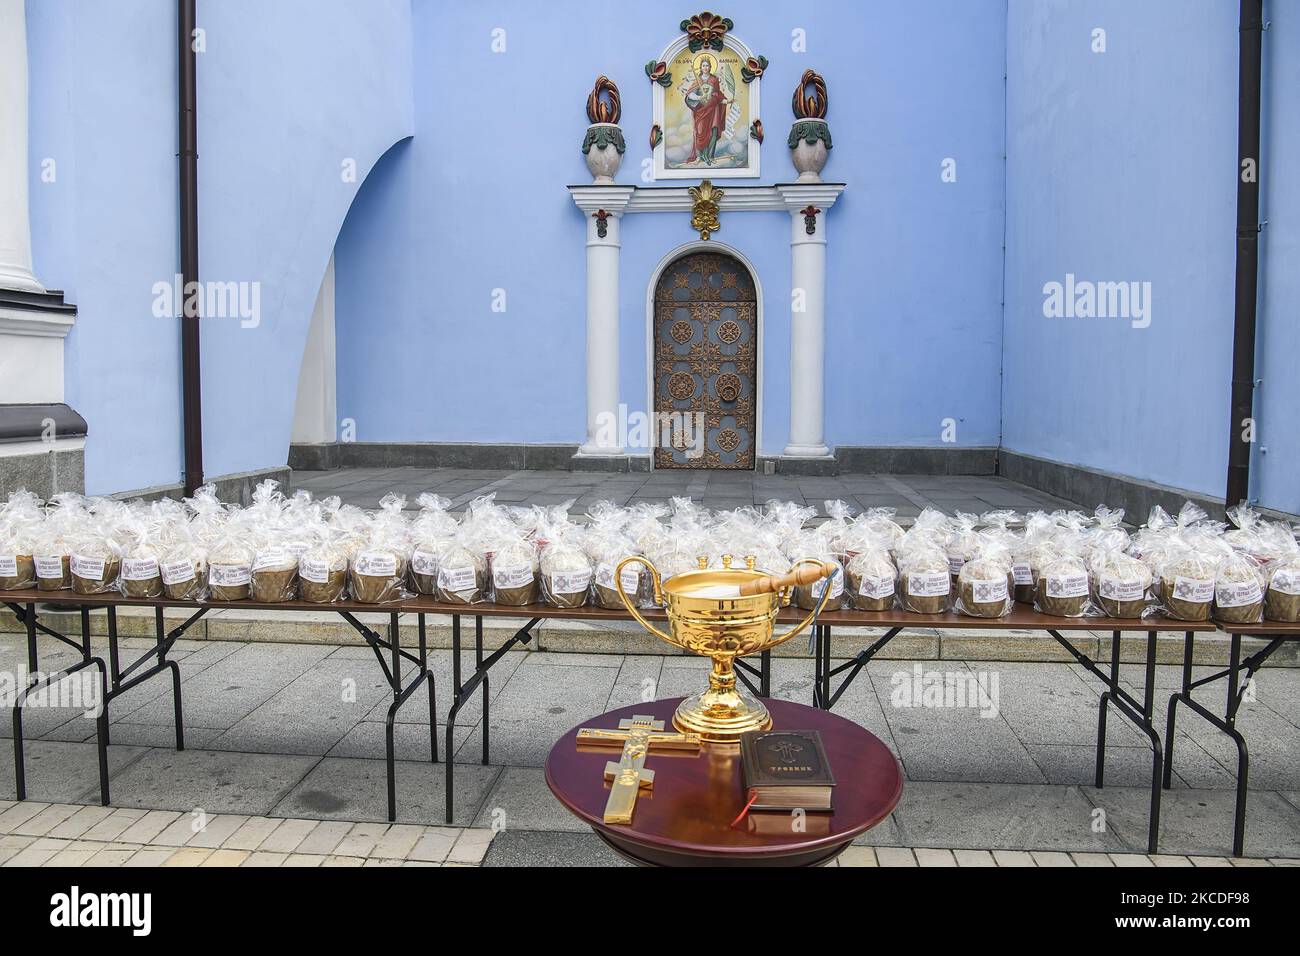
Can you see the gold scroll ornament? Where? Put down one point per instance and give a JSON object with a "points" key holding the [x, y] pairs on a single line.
{"points": [[704, 210]]}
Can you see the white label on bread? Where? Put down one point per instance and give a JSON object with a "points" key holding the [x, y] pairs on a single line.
{"points": [[1067, 585], [88, 569], [1238, 593], [49, 566], [881, 587], [229, 575], [455, 580], [139, 569], [177, 572], [314, 570], [928, 583]]}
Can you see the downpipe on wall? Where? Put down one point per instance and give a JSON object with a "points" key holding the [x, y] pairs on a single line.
{"points": [[1241, 430], [188, 155]]}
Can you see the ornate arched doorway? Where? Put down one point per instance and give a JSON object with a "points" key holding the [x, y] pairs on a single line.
{"points": [[705, 362]]}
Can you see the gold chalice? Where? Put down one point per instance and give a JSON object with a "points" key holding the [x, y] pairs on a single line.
{"points": [[708, 615]]}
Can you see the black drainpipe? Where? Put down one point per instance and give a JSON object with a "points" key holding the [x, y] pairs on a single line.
{"points": [[1243, 338], [187, 124]]}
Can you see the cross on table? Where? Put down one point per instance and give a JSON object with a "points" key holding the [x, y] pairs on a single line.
{"points": [[637, 735]]}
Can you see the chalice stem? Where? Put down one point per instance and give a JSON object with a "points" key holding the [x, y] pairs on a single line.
{"points": [[722, 676]]}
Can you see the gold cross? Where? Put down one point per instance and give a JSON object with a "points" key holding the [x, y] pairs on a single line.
{"points": [[637, 735]]}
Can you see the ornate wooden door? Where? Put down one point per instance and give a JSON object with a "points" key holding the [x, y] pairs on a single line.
{"points": [[706, 348]]}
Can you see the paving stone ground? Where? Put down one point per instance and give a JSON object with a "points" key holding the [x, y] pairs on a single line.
{"points": [[285, 743], [908, 494]]}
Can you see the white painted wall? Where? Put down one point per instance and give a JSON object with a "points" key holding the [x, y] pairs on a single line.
{"points": [[315, 409]]}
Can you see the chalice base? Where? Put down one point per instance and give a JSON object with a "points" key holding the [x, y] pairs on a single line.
{"points": [[721, 716]]}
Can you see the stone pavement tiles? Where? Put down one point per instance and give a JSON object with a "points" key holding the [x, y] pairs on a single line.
{"points": [[72, 835], [908, 494], [296, 731]]}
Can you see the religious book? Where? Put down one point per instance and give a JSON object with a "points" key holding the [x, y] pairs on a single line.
{"points": [[786, 770]]}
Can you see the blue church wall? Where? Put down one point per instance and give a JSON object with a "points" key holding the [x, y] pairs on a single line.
{"points": [[1121, 169], [476, 203], [103, 176], [1108, 167], [288, 92]]}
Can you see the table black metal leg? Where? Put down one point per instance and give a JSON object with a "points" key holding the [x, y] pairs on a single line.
{"points": [[1228, 723], [452, 712], [433, 695], [20, 776], [765, 678], [1171, 715], [816, 649], [1112, 688], [487, 696], [1139, 713], [1157, 752], [395, 676], [462, 691], [826, 666], [35, 683]]}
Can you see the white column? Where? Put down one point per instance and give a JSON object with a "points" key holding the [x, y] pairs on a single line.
{"points": [[808, 205], [603, 438], [15, 227]]}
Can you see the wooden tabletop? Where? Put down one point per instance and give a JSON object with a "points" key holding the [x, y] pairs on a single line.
{"points": [[1264, 629], [686, 818], [1022, 617]]}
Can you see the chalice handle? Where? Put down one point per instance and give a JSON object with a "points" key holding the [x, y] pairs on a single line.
{"points": [[826, 594], [658, 592]]}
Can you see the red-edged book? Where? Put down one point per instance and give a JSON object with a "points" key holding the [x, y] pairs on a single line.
{"points": [[786, 770]]}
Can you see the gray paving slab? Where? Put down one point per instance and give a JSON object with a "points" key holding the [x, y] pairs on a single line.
{"points": [[416, 710], [315, 710], [216, 781], [1051, 704], [520, 800], [792, 679], [543, 848], [343, 788], [63, 772], [540, 703], [1068, 764], [1278, 689], [223, 693], [1000, 816], [1199, 822], [637, 681], [410, 740], [1274, 746], [968, 743], [137, 735]]}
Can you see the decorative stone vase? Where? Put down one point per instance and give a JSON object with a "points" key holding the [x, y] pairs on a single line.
{"points": [[810, 141], [810, 137], [603, 148]]}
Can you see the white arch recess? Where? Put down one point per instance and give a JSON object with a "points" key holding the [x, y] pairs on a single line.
{"points": [[315, 419], [711, 245]]}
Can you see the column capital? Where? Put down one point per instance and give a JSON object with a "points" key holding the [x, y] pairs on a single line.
{"points": [[612, 199], [798, 196]]}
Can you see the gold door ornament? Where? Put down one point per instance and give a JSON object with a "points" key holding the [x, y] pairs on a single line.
{"points": [[704, 211]]}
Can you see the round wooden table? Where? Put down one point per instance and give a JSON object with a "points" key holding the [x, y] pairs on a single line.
{"points": [[685, 819]]}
